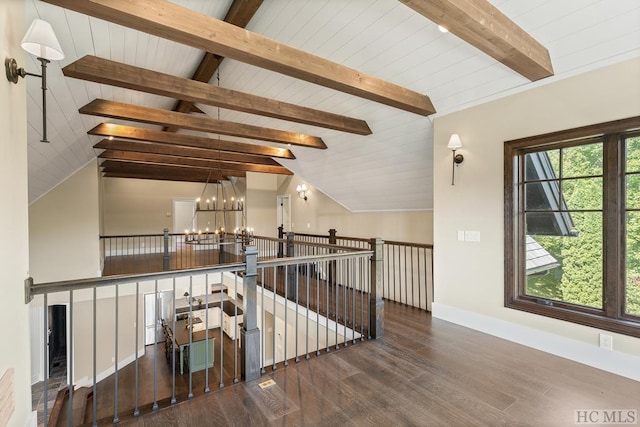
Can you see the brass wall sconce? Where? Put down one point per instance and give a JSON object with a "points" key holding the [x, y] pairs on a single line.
{"points": [[455, 143], [302, 191], [41, 41]]}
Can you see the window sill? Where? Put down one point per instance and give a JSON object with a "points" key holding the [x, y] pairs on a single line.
{"points": [[620, 326]]}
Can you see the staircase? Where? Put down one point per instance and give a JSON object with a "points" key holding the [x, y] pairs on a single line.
{"points": [[82, 398]]}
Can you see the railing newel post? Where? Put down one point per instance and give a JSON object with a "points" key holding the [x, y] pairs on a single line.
{"points": [[28, 284], [280, 243], [292, 272], [250, 334], [165, 258], [376, 303]]}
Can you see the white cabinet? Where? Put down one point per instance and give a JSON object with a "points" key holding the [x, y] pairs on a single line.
{"points": [[228, 325], [214, 317]]}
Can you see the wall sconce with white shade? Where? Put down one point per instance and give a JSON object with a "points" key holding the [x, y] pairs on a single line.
{"points": [[455, 143], [302, 191], [41, 41]]}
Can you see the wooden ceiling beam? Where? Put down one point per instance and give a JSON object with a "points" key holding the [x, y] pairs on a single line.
{"points": [[152, 176], [482, 25], [180, 139], [170, 150], [239, 14], [177, 23], [99, 70], [176, 170], [137, 113], [190, 161]]}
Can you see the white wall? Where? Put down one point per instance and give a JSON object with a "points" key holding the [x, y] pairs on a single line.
{"points": [[261, 203], [64, 229], [132, 206], [320, 213], [469, 279], [140, 206], [14, 232]]}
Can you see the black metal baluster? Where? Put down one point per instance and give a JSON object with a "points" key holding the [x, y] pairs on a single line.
{"points": [[136, 411], [262, 325], [275, 269], [115, 368], [297, 359], [307, 316], [190, 329], [353, 311], [173, 344], [221, 333], [235, 326], [286, 309], [45, 346], [70, 359], [206, 333]]}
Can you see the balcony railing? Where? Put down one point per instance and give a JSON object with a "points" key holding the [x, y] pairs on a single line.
{"points": [[407, 269], [133, 254], [254, 314]]}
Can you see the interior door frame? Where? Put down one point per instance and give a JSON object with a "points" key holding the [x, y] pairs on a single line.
{"points": [[194, 219], [70, 350], [283, 202]]}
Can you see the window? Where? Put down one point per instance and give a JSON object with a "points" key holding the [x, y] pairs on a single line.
{"points": [[572, 225]]}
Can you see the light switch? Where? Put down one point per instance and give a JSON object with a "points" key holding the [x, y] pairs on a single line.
{"points": [[472, 236], [460, 235]]}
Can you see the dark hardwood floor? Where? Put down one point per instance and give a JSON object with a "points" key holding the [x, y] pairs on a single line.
{"points": [[181, 258], [423, 371]]}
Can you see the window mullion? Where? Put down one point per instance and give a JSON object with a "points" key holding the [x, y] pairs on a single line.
{"points": [[613, 219]]}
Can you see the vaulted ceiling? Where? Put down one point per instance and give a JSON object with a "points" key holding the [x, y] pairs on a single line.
{"points": [[358, 128]]}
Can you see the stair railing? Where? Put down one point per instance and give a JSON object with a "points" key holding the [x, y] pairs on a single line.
{"points": [[106, 327]]}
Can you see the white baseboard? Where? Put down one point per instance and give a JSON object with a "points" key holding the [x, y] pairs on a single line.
{"points": [[615, 362], [88, 382]]}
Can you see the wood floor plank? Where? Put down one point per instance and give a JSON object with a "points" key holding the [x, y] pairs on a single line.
{"points": [[485, 385], [239, 408], [272, 401], [464, 400], [313, 407], [400, 396], [354, 404], [397, 366]]}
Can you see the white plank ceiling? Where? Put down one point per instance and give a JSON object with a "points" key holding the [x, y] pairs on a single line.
{"points": [[388, 170]]}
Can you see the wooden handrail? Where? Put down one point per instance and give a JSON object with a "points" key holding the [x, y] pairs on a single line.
{"points": [[413, 245]]}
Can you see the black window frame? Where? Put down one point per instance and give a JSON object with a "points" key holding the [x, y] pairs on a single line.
{"points": [[612, 317]]}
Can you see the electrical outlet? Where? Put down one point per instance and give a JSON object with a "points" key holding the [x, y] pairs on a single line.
{"points": [[606, 341]]}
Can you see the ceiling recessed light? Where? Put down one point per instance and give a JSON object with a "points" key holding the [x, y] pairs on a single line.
{"points": [[442, 29]]}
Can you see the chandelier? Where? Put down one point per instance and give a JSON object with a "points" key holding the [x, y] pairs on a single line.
{"points": [[224, 207]]}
